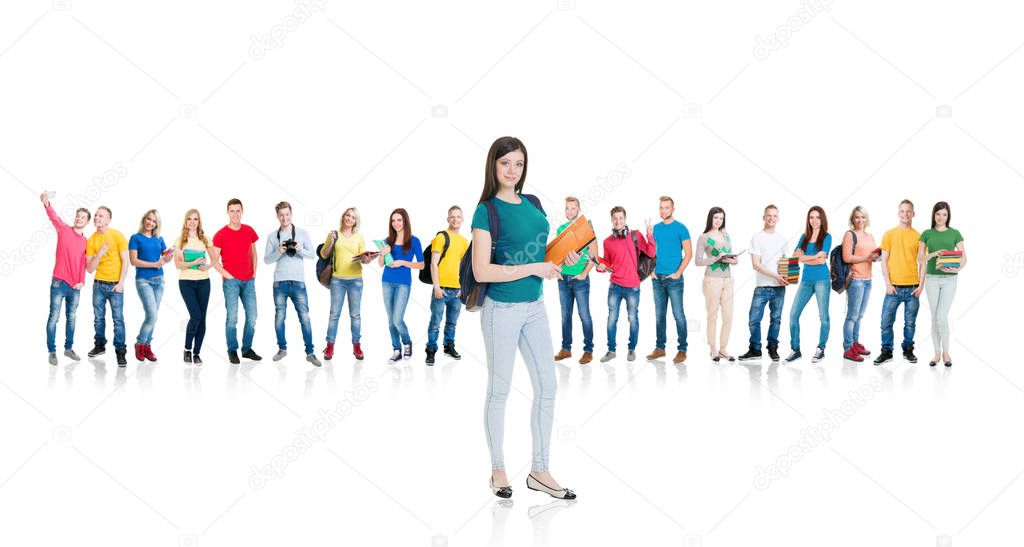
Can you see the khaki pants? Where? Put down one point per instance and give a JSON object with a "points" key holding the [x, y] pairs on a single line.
{"points": [[718, 295]]}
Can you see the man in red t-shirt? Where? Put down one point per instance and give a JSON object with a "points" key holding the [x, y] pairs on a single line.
{"points": [[623, 255], [234, 256]]}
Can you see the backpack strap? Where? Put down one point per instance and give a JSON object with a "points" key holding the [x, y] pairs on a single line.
{"points": [[494, 223], [447, 242], [535, 201]]}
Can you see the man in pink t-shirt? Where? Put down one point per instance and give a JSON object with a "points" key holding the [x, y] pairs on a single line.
{"points": [[623, 255], [68, 278], [234, 256]]}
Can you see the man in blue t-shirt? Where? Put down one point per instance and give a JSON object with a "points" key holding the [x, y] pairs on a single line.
{"points": [[674, 254]]}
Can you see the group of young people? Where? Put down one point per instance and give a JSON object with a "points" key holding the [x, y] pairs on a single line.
{"points": [[513, 268], [232, 253], [909, 263]]}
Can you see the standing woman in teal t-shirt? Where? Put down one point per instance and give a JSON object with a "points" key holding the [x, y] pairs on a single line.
{"points": [[812, 251], [939, 280], [513, 314]]}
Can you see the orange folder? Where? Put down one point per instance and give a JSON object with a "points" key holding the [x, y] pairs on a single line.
{"points": [[575, 237]]}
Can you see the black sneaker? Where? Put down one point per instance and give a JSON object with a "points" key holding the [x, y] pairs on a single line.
{"points": [[251, 355], [430, 357], [773, 353], [121, 360], [794, 356], [750, 355], [450, 352], [188, 356], [884, 356], [908, 354], [98, 349], [233, 357], [196, 360]]}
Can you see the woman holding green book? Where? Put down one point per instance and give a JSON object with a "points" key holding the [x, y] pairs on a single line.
{"points": [[400, 254], [943, 249], [191, 252]]}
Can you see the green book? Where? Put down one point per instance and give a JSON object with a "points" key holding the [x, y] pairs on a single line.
{"points": [[381, 243], [191, 255]]}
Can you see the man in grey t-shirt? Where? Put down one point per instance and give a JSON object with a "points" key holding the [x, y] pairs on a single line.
{"points": [[287, 248], [766, 248]]}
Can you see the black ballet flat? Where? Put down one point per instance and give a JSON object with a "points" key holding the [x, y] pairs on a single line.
{"points": [[501, 491]]}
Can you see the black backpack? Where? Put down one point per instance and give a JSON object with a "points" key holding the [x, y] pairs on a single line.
{"points": [[472, 293], [325, 266], [425, 275], [644, 264], [841, 272]]}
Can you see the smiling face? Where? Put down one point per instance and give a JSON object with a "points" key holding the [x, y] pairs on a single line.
{"points": [[814, 219], [235, 213], [717, 221], [619, 220], [666, 209], [81, 220], [572, 209], [906, 213], [941, 218], [509, 168], [455, 219], [860, 221], [101, 219], [149, 223], [771, 217], [348, 220], [192, 222], [284, 216], [397, 223]]}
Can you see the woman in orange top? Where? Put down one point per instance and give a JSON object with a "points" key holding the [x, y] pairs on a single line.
{"points": [[860, 257]]}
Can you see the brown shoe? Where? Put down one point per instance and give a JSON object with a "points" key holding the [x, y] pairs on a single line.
{"points": [[656, 354], [587, 357], [562, 354], [680, 357]]}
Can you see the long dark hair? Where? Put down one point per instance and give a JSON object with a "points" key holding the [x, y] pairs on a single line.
{"points": [[821, 232], [407, 228], [938, 207], [711, 216], [499, 148]]}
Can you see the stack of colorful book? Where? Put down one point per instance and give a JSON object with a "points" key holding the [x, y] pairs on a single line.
{"points": [[789, 267], [949, 259]]}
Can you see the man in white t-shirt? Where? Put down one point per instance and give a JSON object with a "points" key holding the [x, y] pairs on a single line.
{"points": [[766, 248]]}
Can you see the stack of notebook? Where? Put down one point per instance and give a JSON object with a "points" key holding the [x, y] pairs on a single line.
{"points": [[949, 259], [789, 267]]}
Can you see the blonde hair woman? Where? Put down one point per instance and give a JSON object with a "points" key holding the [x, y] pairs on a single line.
{"points": [[859, 256], [346, 278], [148, 253], [191, 256]]}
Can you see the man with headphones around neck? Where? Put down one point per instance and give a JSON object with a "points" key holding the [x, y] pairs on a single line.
{"points": [[622, 253]]}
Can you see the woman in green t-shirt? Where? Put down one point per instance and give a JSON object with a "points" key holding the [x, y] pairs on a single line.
{"points": [[513, 314], [943, 248]]}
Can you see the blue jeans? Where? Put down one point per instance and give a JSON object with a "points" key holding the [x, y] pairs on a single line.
{"points": [[774, 297], [196, 294], [151, 291], [296, 290], [103, 292], [820, 290], [396, 297], [668, 291], [570, 289], [340, 288], [616, 294], [449, 305], [234, 290], [911, 303], [60, 291], [856, 303], [507, 326]]}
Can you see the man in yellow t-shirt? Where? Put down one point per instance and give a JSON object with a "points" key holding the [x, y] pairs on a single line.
{"points": [[900, 272], [445, 275], [106, 254]]}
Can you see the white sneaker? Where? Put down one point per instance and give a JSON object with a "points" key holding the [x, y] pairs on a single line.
{"points": [[608, 357], [279, 355]]}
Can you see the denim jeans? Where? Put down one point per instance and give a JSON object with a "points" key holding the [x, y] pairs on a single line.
{"points": [[396, 298], [569, 290], [60, 291], [449, 305], [151, 291], [616, 294], [820, 290], [523, 325], [296, 291], [856, 302], [102, 293], [235, 290], [941, 289], [668, 291], [340, 288], [196, 294], [774, 297], [911, 303]]}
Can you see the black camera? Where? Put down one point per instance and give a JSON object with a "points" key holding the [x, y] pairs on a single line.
{"points": [[291, 247]]}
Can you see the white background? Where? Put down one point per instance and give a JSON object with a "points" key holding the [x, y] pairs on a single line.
{"points": [[867, 103]]}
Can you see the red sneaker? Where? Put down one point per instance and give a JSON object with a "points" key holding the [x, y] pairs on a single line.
{"points": [[147, 352], [140, 355], [852, 355], [329, 352], [357, 351], [860, 349]]}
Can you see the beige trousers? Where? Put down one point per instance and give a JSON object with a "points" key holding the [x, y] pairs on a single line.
{"points": [[718, 296]]}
